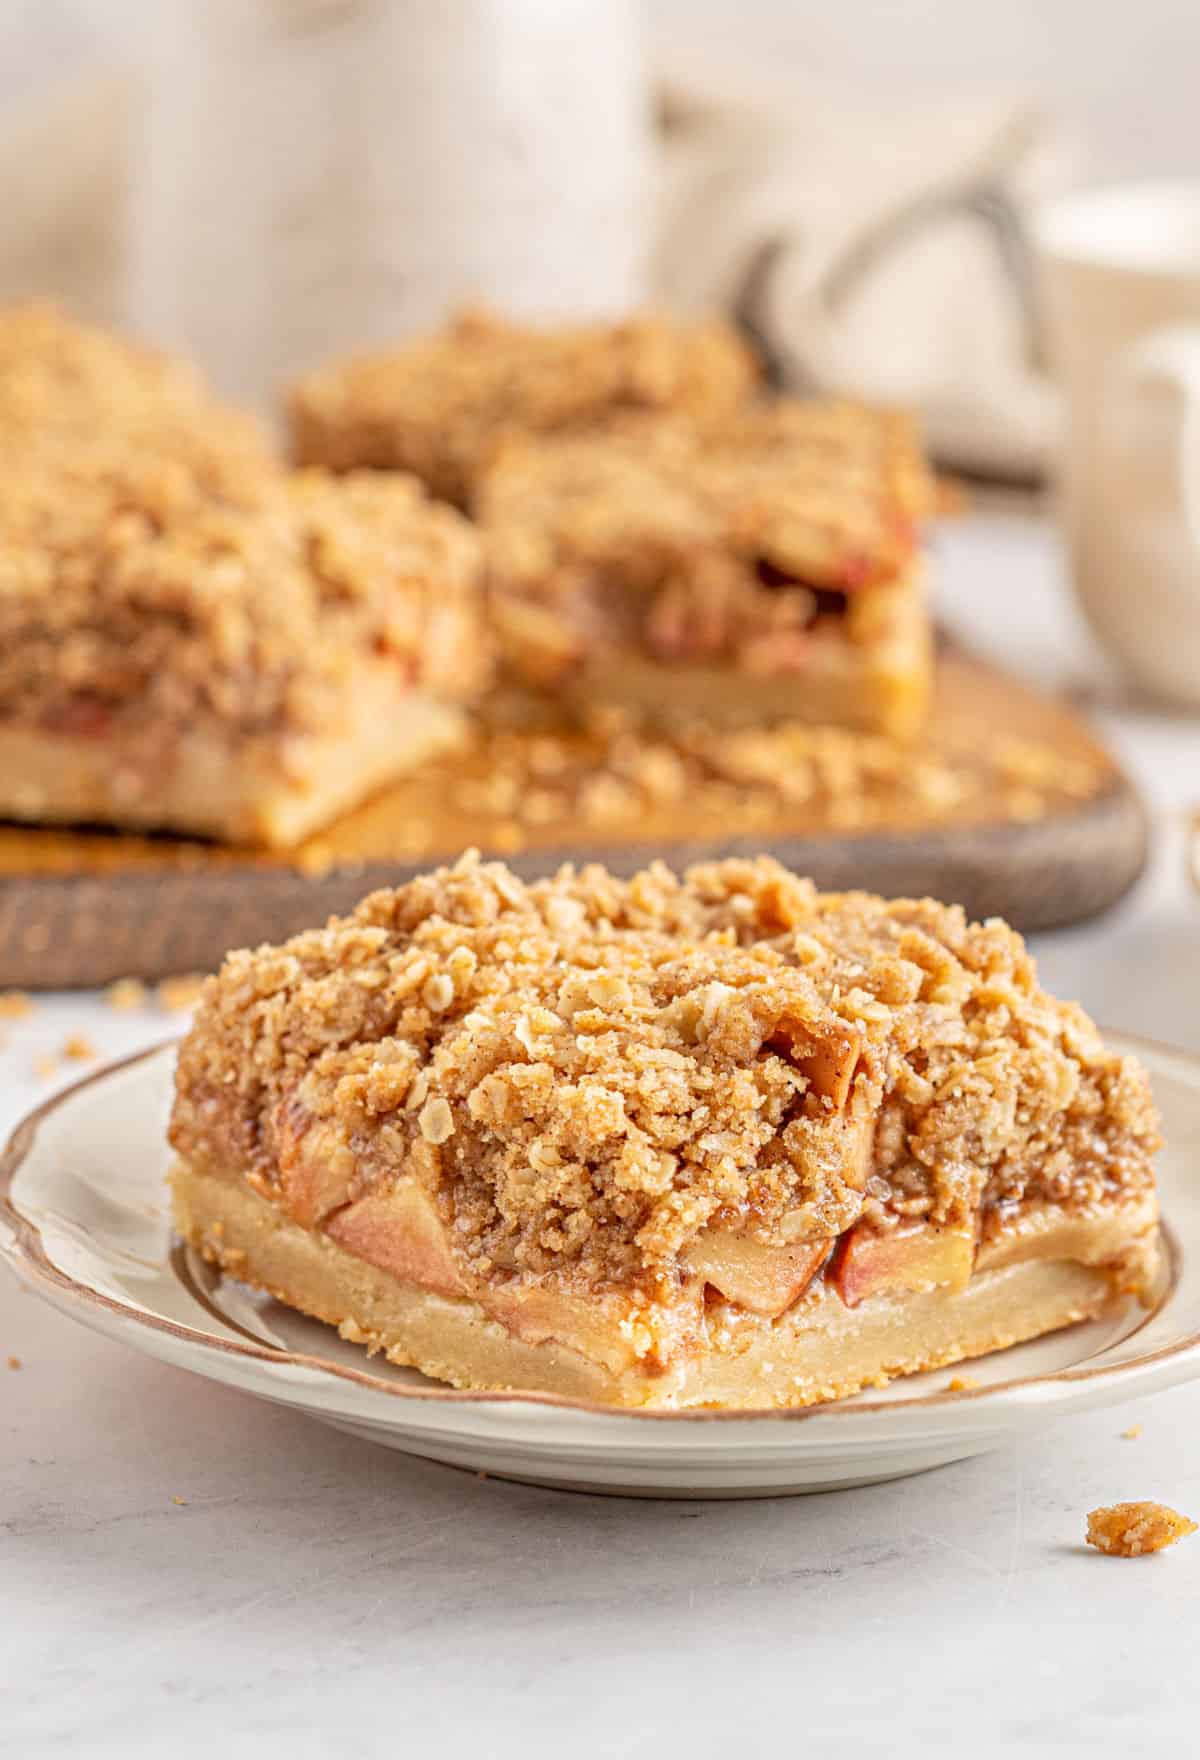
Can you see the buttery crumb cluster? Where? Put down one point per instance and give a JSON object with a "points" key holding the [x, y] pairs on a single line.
{"points": [[1130, 1530], [586, 1072], [440, 406], [738, 542], [158, 566]]}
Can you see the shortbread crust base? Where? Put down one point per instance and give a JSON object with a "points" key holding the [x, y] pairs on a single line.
{"points": [[250, 791], [821, 1351]]}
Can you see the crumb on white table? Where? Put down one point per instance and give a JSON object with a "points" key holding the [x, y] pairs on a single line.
{"points": [[1129, 1530]]}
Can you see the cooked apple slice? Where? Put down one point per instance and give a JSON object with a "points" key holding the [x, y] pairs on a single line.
{"points": [[400, 1231], [764, 1277], [603, 1328], [829, 1059], [316, 1164], [917, 1256]]}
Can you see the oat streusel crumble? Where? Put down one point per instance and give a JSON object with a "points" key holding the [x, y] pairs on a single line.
{"points": [[775, 552], [702, 1105], [439, 405], [80, 402], [1130, 1530]]}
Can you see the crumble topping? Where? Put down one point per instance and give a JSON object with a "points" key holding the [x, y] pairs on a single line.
{"points": [[439, 405], [1126, 1530], [90, 406], [138, 596], [586, 1072], [744, 541]]}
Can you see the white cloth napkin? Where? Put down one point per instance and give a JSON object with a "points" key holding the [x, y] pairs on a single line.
{"points": [[879, 251]]}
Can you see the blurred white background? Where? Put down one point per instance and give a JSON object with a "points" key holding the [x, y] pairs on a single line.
{"points": [[1126, 74], [261, 183]]}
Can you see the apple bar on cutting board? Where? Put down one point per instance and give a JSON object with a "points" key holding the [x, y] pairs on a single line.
{"points": [[192, 637], [763, 567]]}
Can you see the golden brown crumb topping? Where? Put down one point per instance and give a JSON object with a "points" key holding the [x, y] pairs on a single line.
{"points": [[696, 542], [80, 400], [586, 1072], [145, 599], [1126, 1530], [439, 405]]}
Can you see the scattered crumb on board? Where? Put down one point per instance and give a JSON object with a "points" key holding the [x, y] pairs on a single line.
{"points": [[181, 993], [126, 995]]}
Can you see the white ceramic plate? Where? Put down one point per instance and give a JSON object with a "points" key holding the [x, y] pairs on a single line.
{"points": [[83, 1221]]}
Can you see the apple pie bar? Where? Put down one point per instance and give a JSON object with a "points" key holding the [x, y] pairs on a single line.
{"points": [[170, 660], [719, 1140], [767, 567], [439, 405]]}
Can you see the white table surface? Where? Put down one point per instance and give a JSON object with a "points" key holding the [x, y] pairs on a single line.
{"points": [[314, 1595]]}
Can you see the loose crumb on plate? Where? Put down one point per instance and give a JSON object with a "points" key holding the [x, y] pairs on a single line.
{"points": [[1126, 1530], [181, 1501], [45, 1067], [14, 1362], [1133, 1432], [79, 1048], [14, 1005], [962, 1383], [126, 995]]}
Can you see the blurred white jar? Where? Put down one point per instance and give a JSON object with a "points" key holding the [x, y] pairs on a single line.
{"points": [[317, 175], [1121, 280]]}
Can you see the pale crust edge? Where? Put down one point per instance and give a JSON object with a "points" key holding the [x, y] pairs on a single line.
{"points": [[254, 790], [834, 1352]]}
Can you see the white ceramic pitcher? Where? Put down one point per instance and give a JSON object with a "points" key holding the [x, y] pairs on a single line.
{"points": [[319, 175]]}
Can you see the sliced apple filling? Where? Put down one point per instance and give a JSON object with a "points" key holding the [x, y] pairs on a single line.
{"points": [[398, 1229], [764, 1278]]}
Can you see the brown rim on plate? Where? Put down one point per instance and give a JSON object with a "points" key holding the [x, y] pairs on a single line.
{"points": [[29, 1251]]}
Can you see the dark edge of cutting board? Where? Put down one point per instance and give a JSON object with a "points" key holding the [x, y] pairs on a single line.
{"points": [[78, 929]]}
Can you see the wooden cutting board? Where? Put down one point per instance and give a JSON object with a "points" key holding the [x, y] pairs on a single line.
{"points": [[1010, 807]]}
